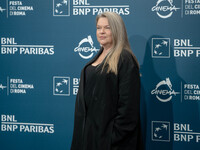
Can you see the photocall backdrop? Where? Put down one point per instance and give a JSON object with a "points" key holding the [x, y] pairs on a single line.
{"points": [[45, 44]]}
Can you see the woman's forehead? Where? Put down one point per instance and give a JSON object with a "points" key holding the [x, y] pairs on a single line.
{"points": [[103, 21]]}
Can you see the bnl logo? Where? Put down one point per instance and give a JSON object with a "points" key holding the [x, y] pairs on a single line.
{"points": [[160, 131], [160, 48], [61, 86], [61, 7]]}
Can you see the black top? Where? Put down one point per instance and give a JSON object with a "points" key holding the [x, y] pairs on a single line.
{"points": [[90, 78]]}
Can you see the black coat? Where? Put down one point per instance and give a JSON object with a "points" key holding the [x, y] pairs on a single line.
{"points": [[112, 120]]}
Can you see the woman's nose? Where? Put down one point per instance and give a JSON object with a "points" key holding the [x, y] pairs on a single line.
{"points": [[102, 30]]}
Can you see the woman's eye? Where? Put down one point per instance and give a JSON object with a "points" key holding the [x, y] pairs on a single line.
{"points": [[98, 28]]}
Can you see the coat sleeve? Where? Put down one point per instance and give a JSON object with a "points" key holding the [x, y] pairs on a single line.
{"points": [[126, 122], [78, 119]]}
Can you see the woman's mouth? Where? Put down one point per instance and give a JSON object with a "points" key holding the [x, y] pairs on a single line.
{"points": [[102, 37]]}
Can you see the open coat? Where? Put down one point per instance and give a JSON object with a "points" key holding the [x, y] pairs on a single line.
{"points": [[112, 120]]}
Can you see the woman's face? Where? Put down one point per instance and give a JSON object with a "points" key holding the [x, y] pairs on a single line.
{"points": [[104, 35]]}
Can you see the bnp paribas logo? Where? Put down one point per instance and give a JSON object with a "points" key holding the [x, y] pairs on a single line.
{"points": [[61, 86], [164, 8], [160, 131], [160, 48], [61, 7]]}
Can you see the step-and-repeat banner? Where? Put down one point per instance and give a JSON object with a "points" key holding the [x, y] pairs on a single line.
{"points": [[45, 44]]}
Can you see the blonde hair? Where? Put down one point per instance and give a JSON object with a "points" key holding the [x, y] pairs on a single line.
{"points": [[120, 41]]}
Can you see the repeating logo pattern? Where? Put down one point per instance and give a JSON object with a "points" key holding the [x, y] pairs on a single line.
{"points": [[61, 8], [164, 91], [2, 87], [61, 85], [164, 8], [86, 48], [161, 131], [2, 9], [160, 48]]}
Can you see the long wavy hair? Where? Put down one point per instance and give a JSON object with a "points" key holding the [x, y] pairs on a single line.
{"points": [[119, 40]]}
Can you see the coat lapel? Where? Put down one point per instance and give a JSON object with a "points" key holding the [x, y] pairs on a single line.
{"points": [[94, 58]]}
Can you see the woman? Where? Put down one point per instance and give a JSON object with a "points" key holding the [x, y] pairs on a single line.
{"points": [[107, 104]]}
